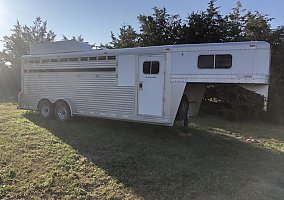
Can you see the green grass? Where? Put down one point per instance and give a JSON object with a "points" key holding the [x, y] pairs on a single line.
{"points": [[103, 159]]}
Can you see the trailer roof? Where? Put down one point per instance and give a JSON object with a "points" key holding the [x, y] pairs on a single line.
{"points": [[152, 49]]}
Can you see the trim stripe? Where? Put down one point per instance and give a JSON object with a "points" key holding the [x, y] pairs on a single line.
{"points": [[110, 69]]}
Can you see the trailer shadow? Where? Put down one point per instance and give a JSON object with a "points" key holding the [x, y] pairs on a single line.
{"points": [[158, 163]]}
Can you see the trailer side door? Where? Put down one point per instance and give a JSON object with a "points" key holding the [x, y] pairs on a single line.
{"points": [[151, 85]]}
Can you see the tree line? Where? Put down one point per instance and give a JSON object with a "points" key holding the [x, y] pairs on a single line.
{"points": [[207, 26], [162, 28]]}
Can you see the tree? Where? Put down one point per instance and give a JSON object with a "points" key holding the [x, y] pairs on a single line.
{"points": [[276, 91], [206, 26], [216, 27], [78, 38], [17, 44], [257, 26], [127, 38], [194, 30], [160, 28], [235, 23]]}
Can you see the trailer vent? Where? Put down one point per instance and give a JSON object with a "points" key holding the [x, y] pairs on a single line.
{"points": [[84, 59], [53, 60], [111, 57], [102, 58], [93, 58], [73, 59], [63, 60], [45, 61]]}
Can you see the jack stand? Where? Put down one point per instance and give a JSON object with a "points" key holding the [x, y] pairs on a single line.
{"points": [[185, 123], [184, 131]]}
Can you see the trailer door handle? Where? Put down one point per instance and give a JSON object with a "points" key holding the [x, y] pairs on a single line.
{"points": [[141, 85]]}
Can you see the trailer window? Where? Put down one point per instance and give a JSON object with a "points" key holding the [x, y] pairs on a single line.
{"points": [[155, 67], [93, 58], [73, 59], [54, 60], [63, 60], [84, 59], [223, 61], [206, 61], [151, 67], [111, 57], [146, 67], [45, 61], [102, 58]]}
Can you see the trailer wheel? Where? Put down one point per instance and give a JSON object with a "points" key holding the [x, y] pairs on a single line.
{"points": [[46, 109], [62, 111]]}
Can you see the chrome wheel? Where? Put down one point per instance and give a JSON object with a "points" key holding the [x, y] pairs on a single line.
{"points": [[62, 111], [46, 109]]}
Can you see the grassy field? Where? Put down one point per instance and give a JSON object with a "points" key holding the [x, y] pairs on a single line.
{"points": [[103, 159]]}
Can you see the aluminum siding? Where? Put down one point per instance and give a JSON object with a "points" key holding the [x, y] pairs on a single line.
{"points": [[88, 91]]}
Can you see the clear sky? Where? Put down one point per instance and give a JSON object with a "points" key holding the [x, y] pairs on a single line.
{"points": [[95, 19]]}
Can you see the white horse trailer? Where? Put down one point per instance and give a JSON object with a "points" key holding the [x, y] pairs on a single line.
{"points": [[145, 84]]}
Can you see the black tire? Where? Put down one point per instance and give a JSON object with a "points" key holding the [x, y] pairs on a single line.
{"points": [[46, 109], [62, 111]]}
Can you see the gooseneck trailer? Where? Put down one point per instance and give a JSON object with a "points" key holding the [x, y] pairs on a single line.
{"points": [[146, 84]]}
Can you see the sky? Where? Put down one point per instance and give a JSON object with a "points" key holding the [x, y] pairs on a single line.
{"points": [[95, 19]]}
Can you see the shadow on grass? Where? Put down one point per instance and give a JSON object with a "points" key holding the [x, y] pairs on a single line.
{"points": [[264, 134], [157, 163], [12, 100]]}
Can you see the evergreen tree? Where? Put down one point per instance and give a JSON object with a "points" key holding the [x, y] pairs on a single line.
{"points": [[160, 28], [194, 30], [235, 23], [206, 26], [276, 91], [257, 26], [78, 38], [216, 27], [127, 38]]}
